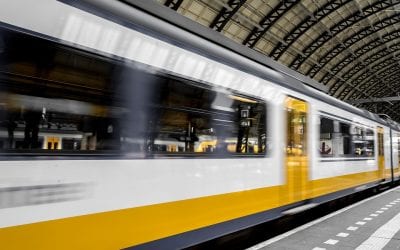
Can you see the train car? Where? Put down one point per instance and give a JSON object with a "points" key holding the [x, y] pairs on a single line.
{"points": [[121, 130]]}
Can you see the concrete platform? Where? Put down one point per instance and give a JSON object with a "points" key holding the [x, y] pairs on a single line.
{"points": [[373, 223]]}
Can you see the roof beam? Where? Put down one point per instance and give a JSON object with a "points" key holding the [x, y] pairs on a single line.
{"points": [[305, 25], [226, 14], [355, 38], [359, 52], [173, 4], [268, 21], [339, 27]]}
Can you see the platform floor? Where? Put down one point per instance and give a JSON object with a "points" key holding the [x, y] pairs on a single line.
{"points": [[373, 223]]}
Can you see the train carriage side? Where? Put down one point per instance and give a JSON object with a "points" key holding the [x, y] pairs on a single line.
{"points": [[348, 155], [177, 176]]}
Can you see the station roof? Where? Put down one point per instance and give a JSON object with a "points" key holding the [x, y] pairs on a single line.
{"points": [[351, 47]]}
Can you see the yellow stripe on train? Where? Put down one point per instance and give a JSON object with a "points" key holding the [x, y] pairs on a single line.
{"points": [[129, 227]]}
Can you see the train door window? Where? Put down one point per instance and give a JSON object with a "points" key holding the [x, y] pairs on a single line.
{"points": [[380, 143], [296, 115]]}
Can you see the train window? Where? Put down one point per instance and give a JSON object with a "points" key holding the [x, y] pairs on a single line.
{"points": [[369, 143], [345, 139], [345, 149], [199, 120], [398, 147], [59, 100], [326, 136]]}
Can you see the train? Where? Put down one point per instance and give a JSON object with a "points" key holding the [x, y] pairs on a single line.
{"points": [[122, 130]]}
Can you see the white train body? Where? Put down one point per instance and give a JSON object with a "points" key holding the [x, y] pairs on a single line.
{"points": [[140, 196]]}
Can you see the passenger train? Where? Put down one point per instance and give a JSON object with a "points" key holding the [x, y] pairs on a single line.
{"points": [[120, 130]]}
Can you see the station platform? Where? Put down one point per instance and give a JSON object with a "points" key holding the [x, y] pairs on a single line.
{"points": [[373, 223]]}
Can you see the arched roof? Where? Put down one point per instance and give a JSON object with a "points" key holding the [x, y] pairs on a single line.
{"points": [[350, 46]]}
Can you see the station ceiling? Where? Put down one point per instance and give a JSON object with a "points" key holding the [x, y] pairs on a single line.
{"points": [[350, 46]]}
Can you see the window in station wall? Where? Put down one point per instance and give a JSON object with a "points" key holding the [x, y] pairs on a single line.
{"points": [[345, 139]]}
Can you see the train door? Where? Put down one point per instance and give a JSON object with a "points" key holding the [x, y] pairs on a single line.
{"points": [[296, 149], [381, 155]]}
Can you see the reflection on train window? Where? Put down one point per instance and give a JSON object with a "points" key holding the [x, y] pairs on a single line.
{"points": [[199, 120], [345, 139], [397, 140], [55, 99], [296, 117]]}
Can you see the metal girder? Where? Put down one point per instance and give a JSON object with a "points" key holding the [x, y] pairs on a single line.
{"points": [[173, 4], [365, 76], [357, 37], [226, 14], [359, 52], [378, 99], [383, 108], [373, 86], [391, 81], [369, 88], [339, 27], [305, 25], [389, 77], [371, 61], [392, 111], [269, 20]]}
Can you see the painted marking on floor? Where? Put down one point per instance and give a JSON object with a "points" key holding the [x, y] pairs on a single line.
{"points": [[382, 236], [367, 218], [331, 242], [373, 215], [312, 223], [342, 235], [389, 205], [318, 248], [352, 228], [379, 211], [384, 208], [361, 223], [392, 203]]}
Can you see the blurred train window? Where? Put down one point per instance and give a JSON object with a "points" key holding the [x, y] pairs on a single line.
{"points": [[345, 139], [55, 99], [369, 143], [326, 136], [200, 120], [296, 118], [398, 147]]}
